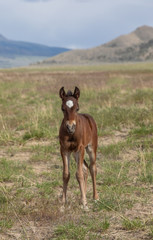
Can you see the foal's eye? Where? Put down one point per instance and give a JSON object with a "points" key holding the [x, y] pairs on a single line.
{"points": [[63, 109]]}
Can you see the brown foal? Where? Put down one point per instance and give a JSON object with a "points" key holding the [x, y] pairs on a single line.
{"points": [[77, 133]]}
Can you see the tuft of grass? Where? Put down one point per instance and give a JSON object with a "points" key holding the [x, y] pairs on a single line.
{"points": [[14, 171], [146, 167], [34, 134], [113, 150], [8, 170], [112, 202], [142, 131], [116, 117], [47, 188], [96, 225], [70, 231], [2, 199], [140, 96], [85, 228], [132, 224], [40, 123], [43, 153], [151, 233], [114, 172], [5, 224]]}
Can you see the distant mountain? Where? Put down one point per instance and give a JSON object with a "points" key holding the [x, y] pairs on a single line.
{"points": [[136, 46], [10, 50], [2, 38]]}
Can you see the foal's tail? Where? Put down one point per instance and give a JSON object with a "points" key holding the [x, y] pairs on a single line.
{"points": [[85, 163], [85, 173]]}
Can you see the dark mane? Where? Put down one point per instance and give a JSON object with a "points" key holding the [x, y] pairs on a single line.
{"points": [[69, 93]]}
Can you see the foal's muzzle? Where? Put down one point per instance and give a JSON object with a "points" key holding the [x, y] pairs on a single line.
{"points": [[70, 126]]}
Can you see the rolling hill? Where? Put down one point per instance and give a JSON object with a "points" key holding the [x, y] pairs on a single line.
{"points": [[18, 53], [135, 46]]}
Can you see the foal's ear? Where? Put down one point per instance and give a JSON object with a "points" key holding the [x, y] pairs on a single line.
{"points": [[76, 93], [62, 93]]}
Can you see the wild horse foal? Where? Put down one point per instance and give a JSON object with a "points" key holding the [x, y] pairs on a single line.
{"points": [[77, 133]]}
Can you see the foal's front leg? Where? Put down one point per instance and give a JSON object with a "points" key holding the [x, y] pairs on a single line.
{"points": [[79, 156], [66, 173]]}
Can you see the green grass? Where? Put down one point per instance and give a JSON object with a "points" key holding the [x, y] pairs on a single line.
{"points": [[113, 150], [146, 166], [46, 188], [151, 233], [70, 231], [2, 199], [96, 225], [43, 153], [118, 117], [5, 224], [132, 224], [142, 131], [120, 98], [113, 202], [122, 67], [141, 96], [10, 171], [87, 228]]}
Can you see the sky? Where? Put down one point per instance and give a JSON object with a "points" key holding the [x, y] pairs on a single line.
{"points": [[72, 23]]}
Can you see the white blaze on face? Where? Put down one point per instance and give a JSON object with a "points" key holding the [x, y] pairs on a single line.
{"points": [[69, 103]]}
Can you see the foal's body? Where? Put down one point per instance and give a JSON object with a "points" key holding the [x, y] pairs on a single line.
{"points": [[77, 133], [86, 132]]}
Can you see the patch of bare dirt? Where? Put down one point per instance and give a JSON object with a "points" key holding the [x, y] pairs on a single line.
{"points": [[39, 168], [30, 230], [35, 143], [119, 234], [130, 155], [117, 136], [20, 156], [141, 210], [15, 155]]}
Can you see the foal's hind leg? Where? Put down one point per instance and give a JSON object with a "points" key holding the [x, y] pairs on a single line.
{"points": [[93, 170]]}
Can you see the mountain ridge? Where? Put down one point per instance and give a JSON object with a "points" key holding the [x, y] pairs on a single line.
{"points": [[13, 53], [13, 48], [135, 46], [2, 37]]}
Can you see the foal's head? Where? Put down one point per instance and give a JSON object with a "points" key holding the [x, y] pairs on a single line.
{"points": [[70, 107]]}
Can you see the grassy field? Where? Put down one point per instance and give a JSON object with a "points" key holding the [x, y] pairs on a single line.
{"points": [[120, 98]]}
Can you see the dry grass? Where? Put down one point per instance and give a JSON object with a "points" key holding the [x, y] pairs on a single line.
{"points": [[121, 102]]}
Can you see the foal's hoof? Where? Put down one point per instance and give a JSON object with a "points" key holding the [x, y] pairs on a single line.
{"points": [[96, 198], [62, 209], [85, 208]]}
